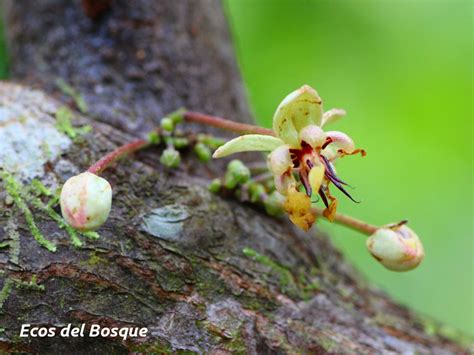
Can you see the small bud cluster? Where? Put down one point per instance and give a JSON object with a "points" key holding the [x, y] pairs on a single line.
{"points": [[202, 145], [238, 180]]}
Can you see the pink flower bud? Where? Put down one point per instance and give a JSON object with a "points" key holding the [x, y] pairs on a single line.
{"points": [[86, 200], [396, 247]]}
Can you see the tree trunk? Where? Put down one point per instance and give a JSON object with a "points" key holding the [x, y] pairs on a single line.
{"points": [[170, 257]]}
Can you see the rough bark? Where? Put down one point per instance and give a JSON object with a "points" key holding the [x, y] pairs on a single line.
{"points": [[193, 286]]}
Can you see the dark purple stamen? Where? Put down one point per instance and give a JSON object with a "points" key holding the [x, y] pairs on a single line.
{"points": [[330, 171], [324, 198], [341, 188], [305, 182], [328, 141]]}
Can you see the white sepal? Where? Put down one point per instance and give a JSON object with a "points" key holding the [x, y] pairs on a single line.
{"points": [[246, 143], [299, 109]]}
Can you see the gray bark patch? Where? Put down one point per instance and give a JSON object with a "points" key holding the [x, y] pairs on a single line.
{"points": [[165, 222], [28, 138]]}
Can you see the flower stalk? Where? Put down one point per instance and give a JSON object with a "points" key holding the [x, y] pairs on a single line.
{"points": [[222, 123], [350, 222], [116, 154]]}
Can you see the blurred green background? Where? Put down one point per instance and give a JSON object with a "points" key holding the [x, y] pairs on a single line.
{"points": [[403, 72]]}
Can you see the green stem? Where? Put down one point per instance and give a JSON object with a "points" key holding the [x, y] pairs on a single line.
{"points": [[350, 222]]}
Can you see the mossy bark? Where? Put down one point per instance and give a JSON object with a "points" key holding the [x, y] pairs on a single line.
{"points": [[226, 277]]}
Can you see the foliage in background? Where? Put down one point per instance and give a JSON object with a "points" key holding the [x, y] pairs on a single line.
{"points": [[402, 70]]}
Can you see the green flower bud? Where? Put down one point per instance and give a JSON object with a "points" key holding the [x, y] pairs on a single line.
{"points": [[210, 141], [237, 173], [180, 142], [396, 247], [154, 137], [177, 116], [170, 158], [256, 191], [203, 152], [274, 204], [215, 185], [167, 124], [85, 201]]}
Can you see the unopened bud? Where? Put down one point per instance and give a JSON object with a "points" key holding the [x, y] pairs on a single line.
{"points": [[256, 191], [180, 142], [237, 173], [85, 201], [396, 247], [215, 185], [203, 152], [274, 204], [167, 124], [170, 158]]}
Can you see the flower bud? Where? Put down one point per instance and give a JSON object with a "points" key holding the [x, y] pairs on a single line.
{"points": [[85, 201], [274, 204], [396, 247], [202, 152], [180, 142], [215, 185], [170, 158], [256, 191], [167, 124], [237, 173]]}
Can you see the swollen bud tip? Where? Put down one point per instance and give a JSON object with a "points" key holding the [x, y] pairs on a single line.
{"points": [[170, 158], [396, 247], [85, 201]]}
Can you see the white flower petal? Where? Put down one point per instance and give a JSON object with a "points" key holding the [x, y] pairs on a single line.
{"points": [[299, 109], [341, 141], [280, 160], [248, 142], [284, 182], [332, 115], [313, 135]]}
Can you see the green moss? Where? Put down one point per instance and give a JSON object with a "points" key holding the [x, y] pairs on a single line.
{"points": [[13, 188], [156, 347], [75, 241], [64, 118], [31, 285], [287, 281], [94, 259], [14, 242], [48, 208], [38, 186], [5, 292], [74, 94], [303, 285], [63, 122]]}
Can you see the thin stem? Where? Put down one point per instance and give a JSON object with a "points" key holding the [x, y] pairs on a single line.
{"points": [[262, 177], [118, 153], [223, 123], [350, 222]]}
